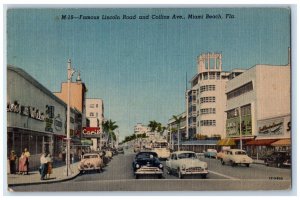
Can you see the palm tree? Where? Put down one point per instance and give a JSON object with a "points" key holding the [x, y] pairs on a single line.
{"points": [[153, 125], [177, 121], [108, 127]]}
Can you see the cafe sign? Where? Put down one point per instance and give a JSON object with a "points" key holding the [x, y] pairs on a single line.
{"points": [[91, 131]]}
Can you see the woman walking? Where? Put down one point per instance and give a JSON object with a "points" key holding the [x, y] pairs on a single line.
{"points": [[23, 164]]}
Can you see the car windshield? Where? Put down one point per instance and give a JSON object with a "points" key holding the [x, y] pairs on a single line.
{"points": [[186, 155], [90, 156], [240, 153], [145, 155]]}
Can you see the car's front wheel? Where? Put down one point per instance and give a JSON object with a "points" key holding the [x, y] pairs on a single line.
{"points": [[247, 165], [136, 176], [204, 176], [222, 162], [232, 163], [180, 176]]}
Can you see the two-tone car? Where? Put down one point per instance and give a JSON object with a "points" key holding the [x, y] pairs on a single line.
{"points": [[90, 162], [186, 163], [235, 157], [147, 163]]}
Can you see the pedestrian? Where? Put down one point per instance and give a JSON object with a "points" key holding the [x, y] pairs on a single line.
{"points": [[49, 165], [27, 154], [82, 154], [43, 167], [23, 164], [12, 162]]}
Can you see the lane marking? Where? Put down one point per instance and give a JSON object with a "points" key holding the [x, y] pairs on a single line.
{"points": [[223, 175]]}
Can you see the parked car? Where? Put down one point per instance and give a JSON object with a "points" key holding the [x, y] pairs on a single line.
{"points": [[210, 153], [220, 154], [90, 161], [278, 159], [147, 162], [235, 157], [186, 163]]}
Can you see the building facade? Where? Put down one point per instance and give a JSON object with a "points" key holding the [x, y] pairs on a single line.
{"points": [[140, 129], [208, 101], [258, 104], [95, 114], [36, 119]]}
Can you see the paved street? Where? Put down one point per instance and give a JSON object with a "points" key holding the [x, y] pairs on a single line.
{"points": [[118, 176]]}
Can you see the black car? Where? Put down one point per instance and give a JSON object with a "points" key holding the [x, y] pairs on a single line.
{"points": [[278, 159], [147, 162]]}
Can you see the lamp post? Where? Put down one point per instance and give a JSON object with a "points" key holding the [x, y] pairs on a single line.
{"points": [[70, 74]]}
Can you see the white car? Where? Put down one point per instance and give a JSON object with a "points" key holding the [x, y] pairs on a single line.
{"points": [[90, 161], [236, 156], [186, 163]]}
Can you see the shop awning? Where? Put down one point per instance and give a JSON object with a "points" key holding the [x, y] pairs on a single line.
{"points": [[86, 142], [226, 142], [264, 142], [282, 142]]}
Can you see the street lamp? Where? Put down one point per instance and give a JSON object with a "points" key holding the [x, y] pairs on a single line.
{"points": [[70, 74]]}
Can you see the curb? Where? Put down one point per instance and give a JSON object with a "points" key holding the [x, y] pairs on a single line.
{"points": [[45, 182]]}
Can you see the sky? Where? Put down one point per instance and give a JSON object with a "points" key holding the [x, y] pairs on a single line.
{"points": [[139, 66]]}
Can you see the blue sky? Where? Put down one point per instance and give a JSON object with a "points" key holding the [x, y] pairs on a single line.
{"points": [[138, 67]]}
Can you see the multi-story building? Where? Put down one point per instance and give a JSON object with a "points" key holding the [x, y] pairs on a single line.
{"points": [[139, 129], [36, 119], [78, 92], [95, 114], [209, 105], [258, 105]]}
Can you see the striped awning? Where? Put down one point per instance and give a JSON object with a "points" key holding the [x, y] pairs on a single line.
{"points": [[226, 142], [282, 142]]}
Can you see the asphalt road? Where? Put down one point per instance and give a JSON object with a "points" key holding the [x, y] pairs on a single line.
{"points": [[118, 176]]}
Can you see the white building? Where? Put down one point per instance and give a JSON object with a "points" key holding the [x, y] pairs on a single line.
{"points": [[262, 94], [95, 114], [207, 102], [139, 129]]}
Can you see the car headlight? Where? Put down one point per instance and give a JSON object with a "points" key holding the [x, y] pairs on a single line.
{"points": [[160, 166], [183, 166], [137, 166]]}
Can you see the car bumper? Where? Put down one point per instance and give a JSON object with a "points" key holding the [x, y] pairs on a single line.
{"points": [[191, 172], [149, 170], [89, 168]]}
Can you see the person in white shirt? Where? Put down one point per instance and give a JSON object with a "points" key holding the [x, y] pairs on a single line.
{"points": [[44, 167]]}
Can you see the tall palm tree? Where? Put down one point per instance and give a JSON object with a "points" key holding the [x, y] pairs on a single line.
{"points": [[108, 127], [177, 121], [153, 125]]}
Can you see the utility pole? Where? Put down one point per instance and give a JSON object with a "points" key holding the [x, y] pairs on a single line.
{"points": [[70, 74]]}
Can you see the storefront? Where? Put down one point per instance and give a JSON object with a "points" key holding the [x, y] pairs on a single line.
{"points": [[35, 117]]}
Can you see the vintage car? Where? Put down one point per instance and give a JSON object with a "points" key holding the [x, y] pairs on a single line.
{"points": [[278, 159], [162, 149], [235, 157], [90, 161], [221, 154], [147, 162], [186, 163], [210, 153]]}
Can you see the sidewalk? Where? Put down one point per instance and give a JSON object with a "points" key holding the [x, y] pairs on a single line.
{"points": [[34, 177]]}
